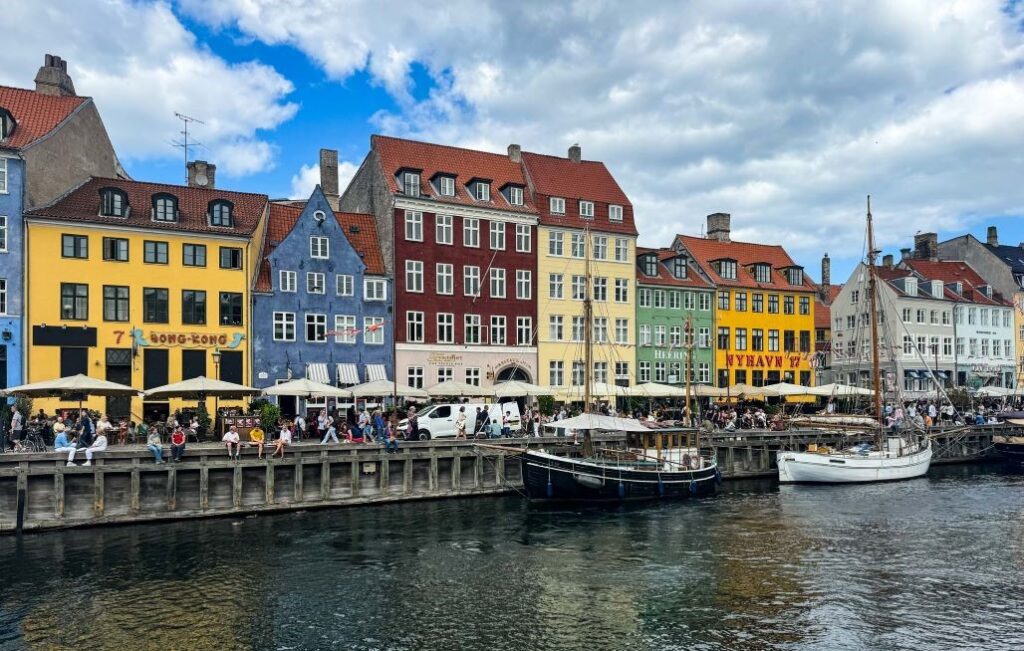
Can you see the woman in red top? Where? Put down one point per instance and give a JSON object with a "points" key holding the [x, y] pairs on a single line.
{"points": [[177, 443]]}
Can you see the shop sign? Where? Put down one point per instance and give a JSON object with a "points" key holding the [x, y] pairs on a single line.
{"points": [[444, 359], [763, 361], [184, 339]]}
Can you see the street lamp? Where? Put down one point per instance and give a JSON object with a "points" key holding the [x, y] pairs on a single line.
{"points": [[216, 398]]}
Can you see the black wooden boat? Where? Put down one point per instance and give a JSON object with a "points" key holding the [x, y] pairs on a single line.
{"points": [[1010, 448]]}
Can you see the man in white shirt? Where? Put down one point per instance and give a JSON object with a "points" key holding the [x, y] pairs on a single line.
{"points": [[99, 445], [300, 426]]}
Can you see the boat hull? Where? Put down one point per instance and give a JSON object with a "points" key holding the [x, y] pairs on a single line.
{"points": [[814, 468], [550, 478], [1010, 448]]}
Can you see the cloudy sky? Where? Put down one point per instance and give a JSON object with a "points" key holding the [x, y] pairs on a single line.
{"points": [[783, 114]]}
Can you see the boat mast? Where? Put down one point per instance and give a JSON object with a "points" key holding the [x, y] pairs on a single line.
{"points": [[588, 343], [872, 291], [688, 338]]}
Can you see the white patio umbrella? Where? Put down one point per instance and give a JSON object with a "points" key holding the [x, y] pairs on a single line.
{"points": [[599, 422], [199, 388], [840, 391], [657, 390], [783, 389], [597, 389], [993, 392], [748, 391], [707, 391], [454, 389], [385, 388], [73, 384], [308, 389], [519, 388]]}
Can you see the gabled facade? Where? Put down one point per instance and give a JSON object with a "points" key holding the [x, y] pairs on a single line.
{"points": [[764, 308], [586, 225], [322, 297], [50, 140], [671, 290], [459, 231]]}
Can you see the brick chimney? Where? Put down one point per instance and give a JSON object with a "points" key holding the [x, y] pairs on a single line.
{"points": [[905, 254], [887, 261], [993, 236], [201, 174], [824, 288], [575, 154], [718, 226], [329, 175], [515, 153], [53, 78], [926, 246]]}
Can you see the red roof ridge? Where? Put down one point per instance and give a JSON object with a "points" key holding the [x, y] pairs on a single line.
{"points": [[379, 136]]}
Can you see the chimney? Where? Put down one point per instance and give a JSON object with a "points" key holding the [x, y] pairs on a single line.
{"points": [[826, 271], [905, 254], [201, 174], [575, 154], [926, 246], [718, 226], [515, 153], [53, 79], [993, 236], [887, 261], [329, 175]]}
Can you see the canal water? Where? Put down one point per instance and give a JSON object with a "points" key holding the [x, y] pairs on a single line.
{"points": [[936, 563]]}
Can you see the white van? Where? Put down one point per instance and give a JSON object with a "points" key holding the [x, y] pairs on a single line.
{"points": [[438, 421]]}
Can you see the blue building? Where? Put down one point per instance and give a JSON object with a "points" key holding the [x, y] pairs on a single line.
{"points": [[51, 140], [321, 302]]}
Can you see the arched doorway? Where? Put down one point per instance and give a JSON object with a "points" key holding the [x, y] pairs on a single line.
{"points": [[510, 373]]}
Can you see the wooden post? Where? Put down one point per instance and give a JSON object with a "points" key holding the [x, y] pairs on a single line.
{"points": [[456, 473], [22, 488], [478, 471], [499, 470], [268, 484], [97, 491], [355, 479], [136, 487], [172, 488], [385, 471], [236, 487], [325, 476], [407, 476], [204, 485], [432, 484], [297, 479], [58, 491]]}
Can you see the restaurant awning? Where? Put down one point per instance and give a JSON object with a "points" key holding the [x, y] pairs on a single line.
{"points": [[317, 372], [347, 374], [912, 374], [375, 372]]}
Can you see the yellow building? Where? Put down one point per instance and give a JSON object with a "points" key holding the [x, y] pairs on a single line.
{"points": [[585, 221], [764, 308], [142, 284]]}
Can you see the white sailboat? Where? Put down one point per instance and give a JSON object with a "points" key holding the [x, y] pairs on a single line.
{"points": [[891, 457]]}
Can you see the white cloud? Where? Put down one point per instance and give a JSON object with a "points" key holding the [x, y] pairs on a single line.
{"points": [[785, 117], [308, 177], [142, 65]]}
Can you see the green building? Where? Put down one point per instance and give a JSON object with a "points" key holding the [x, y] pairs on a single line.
{"points": [[671, 289]]}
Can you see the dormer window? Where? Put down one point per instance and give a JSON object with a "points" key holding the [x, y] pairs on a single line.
{"points": [[679, 267], [556, 205], [165, 208], [958, 288], [482, 191], [795, 276], [727, 269], [650, 265], [220, 213], [446, 186], [113, 203], [7, 124], [614, 213], [515, 195], [762, 272], [910, 285], [587, 209]]}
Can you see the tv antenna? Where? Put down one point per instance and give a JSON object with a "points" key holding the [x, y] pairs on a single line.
{"points": [[184, 144]]}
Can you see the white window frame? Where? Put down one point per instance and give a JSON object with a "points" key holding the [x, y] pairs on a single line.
{"points": [[470, 280], [471, 232], [621, 290], [621, 331], [556, 286], [556, 243], [599, 244], [614, 213], [515, 195], [413, 226], [586, 209], [344, 325], [373, 336], [577, 246], [446, 186], [410, 184], [499, 330], [412, 318], [3, 175], [444, 230], [345, 284], [3, 233], [524, 330], [497, 236], [287, 281], [473, 376], [524, 238], [556, 205], [373, 295], [284, 320], [319, 247], [445, 328], [471, 324], [556, 327], [498, 283], [445, 278], [482, 191], [318, 321], [414, 276], [621, 249], [314, 281], [414, 376], [524, 284]]}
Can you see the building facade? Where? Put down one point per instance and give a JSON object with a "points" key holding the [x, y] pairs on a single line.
{"points": [[586, 228], [764, 308], [672, 293], [142, 284], [50, 140], [321, 299], [458, 230]]}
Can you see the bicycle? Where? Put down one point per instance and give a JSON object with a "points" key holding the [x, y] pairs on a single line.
{"points": [[33, 442]]}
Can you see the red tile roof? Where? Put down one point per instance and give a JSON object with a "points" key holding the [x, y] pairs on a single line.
{"points": [[822, 315], [704, 251], [552, 176], [35, 114], [466, 164], [282, 219], [953, 271], [83, 205], [693, 278]]}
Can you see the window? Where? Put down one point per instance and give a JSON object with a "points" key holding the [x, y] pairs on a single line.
{"points": [[515, 196], [795, 276], [498, 330], [773, 341], [757, 340], [443, 230], [74, 301], [482, 191], [284, 326], [445, 273], [154, 252], [741, 301], [319, 247], [621, 249], [659, 298], [155, 305], [577, 328], [773, 303], [679, 267], [373, 330], [414, 375], [524, 284], [644, 335], [762, 273], [600, 243], [524, 330], [705, 301], [555, 285], [649, 263], [230, 258], [315, 283], [688, 301], [414, 276], [230, 309], [622, 331], [113, 203], [723, 300], [578, 245], [723, 339], [497, 231], [524, 238], [446, 186], [497, 283], [704, 338], [788, 341], [193, 307], [220, 213], [587, 209], [194, 255], [556, 205], [316, 328], [644, 297], [411, 184], [727, 269], [286, 281], [3, 161], [473, 376], [345, 285], [345, 329], [471, 232], [601, 289], [621, 290], [556, 373], [444, 374], [601, 372], [471, 333], [74, 246], [787, 304], [413, 226], [805, 341], [644, 372], [414, 327], [375, 289], [556, 240], [165, 208], [972, 316], [614, 213], [471, 281], [114, 248], [115, 303], [741, 338], [445, 328], [555, 325], [659, 372], [959, 346], [579, 288], [805, 305]]}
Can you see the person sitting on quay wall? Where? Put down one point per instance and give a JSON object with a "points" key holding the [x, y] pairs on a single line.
{"points": [[379, 426], [353, 434], [99, 445], [61, 443], [153, 442], [232, 440], [330, 434], [390, 440], [257, 438], [365, 429], [412, 426], [177, 443], [284, 439]]}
